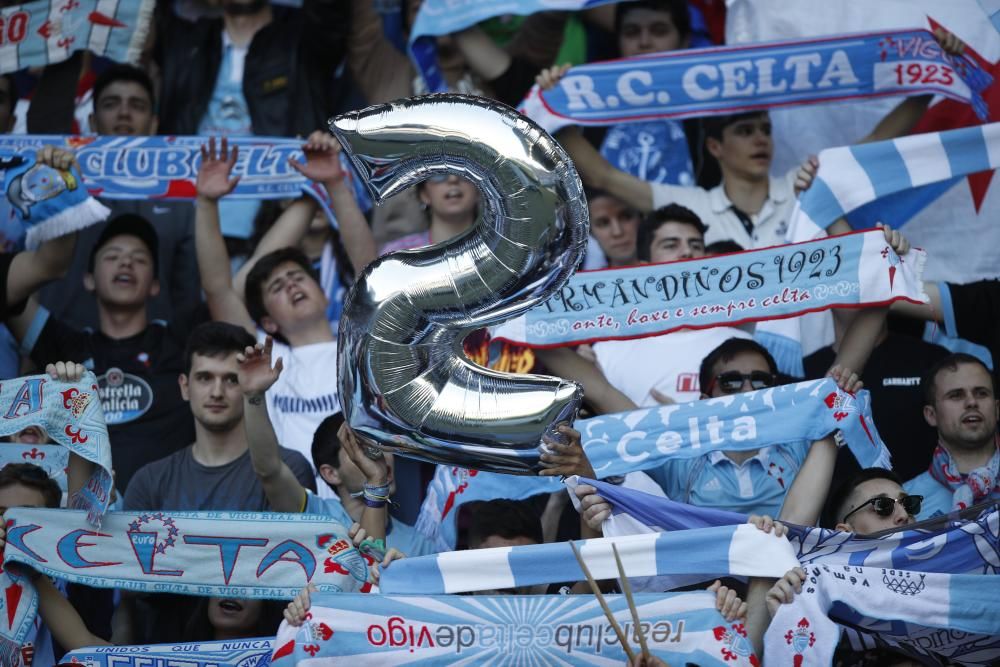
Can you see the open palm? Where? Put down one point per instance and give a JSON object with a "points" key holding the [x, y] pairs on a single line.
{"points": [[213, 175], [322, 154], [255, 373]]}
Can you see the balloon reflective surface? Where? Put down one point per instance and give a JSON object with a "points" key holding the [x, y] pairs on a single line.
{"points": [[404, 381]]}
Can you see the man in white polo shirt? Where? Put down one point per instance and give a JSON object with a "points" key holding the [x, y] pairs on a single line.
{"points": [[750, 206]]}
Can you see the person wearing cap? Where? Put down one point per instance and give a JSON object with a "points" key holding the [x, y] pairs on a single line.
{"points": [[137, 360]]}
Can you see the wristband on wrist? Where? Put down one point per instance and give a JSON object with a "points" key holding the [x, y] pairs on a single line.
{"points": [[376, 496]]}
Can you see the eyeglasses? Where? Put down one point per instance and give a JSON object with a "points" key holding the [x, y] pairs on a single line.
{"points": [[438, 178], [884, 505], [731, 382]]}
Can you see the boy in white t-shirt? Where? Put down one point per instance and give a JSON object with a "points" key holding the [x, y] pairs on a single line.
{"points": [[283, 297]]}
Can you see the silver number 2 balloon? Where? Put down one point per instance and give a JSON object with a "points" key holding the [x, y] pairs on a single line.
{"points": [[405, 383]]}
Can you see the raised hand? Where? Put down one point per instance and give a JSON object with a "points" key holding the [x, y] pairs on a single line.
{"points": [[894, 238], [949, 43], [806, 174], [57, 158], [322, 153], [593, 508], [784, 591], [297, 610], [550, 76], [213, 175], [65, 371], [846, 379], [767, 524], [255, 373], [375, 470], [728, 602], [567, 458]]}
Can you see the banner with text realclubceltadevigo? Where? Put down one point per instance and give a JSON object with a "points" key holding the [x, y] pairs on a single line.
{"points": [[229, 554], [680, 628], [852, 270], [254, 652], [734, 79]]}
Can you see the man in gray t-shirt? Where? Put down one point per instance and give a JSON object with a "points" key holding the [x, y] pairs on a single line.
{"points": [[180, 482], [214, 472]]}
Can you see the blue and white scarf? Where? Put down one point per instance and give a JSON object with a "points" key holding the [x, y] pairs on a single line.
{"points": [[853, 270], [625, 442], [167, 167], [738, 550], [42, 203], [964, 548], [900, 605], [72, 416], [628, 441], [189, 553], [680, 628], [443, 17], [961, 550], [735, 79], [44, 32], [969, 546], [850, 177], [232, 653]]}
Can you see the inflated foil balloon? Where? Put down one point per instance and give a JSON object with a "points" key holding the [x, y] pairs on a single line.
{"points": [[405, 383]]}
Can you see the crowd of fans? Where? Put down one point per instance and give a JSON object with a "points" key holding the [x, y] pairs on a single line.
{"points": [[213, 327]]}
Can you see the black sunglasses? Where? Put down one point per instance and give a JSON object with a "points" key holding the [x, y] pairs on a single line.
{"points": [[731, 382], [885, 506]]}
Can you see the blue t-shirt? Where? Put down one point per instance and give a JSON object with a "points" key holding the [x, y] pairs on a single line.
{"points": [[937, 496], [655, 151], [229, 115], [757, 486], [398, 535]]}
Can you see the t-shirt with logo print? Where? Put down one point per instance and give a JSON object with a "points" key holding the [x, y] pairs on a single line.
{"points": [[137, 379], [303, 396]]}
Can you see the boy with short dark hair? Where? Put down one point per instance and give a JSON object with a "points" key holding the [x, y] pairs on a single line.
{"points": [[665, 235], [137, 360], [125, 106], [214, 472], [960, 402], [282, 297]]}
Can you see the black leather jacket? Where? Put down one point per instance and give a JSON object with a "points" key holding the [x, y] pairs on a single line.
{"points": [[291, 78]]}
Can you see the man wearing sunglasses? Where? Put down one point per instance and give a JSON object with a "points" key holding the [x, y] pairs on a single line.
{"points": [[751, 482], [871, 501]]}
